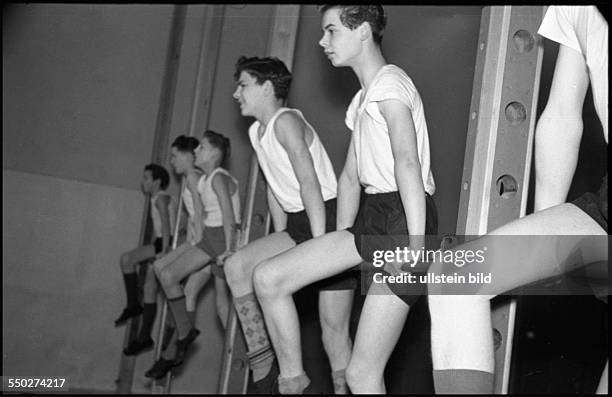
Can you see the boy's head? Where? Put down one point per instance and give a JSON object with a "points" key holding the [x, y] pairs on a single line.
{"points": [[213, 146], [183, 153], [348, 28], [257, 77], [154, 173], [352, 16]]}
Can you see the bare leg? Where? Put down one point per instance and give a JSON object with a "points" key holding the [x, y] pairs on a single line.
{"points": [[469, 315], [380, 325], [193, 286], [222, 300], [335, 314], [602, 388], [185, 264], [130, 259], [279, 277], [150, 287]]}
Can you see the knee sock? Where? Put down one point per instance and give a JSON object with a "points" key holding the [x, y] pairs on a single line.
{"points": [[170, 352], [179, 312], [260, 353], [131, 288], [148, 316], [463, 381], [294, 385], [339, 379], [191, 317]]}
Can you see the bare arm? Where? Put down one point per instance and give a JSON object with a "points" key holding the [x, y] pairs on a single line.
{"points": [[279, 217], [162, 206], [192, 185], [220, 184], [291, 133], [559, 130], [349, 191], [407, 169]]}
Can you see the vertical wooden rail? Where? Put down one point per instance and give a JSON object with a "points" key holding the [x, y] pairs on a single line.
{"points": [[234, 369], [500, 141]]}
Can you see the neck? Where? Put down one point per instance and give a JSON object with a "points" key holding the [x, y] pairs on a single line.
{"points": [[266, 115], [368, 66], [154, 190], [208, 167]]}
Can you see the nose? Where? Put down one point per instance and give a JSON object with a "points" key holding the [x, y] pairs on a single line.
{"points": [[236, 93], [323, 41]]}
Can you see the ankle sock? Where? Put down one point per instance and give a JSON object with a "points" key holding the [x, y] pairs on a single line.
{"points": [[293, 385], [339, 379], [463, 381]]}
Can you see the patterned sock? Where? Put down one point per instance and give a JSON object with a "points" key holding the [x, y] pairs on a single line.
{"points": [[131, 288], [148, 316], [179, 312], [260, 353], [339, 379], [463, 381], [294, 385]]}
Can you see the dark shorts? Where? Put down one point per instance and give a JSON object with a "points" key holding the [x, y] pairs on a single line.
{"points": [[381, 225], [213, 243], [596, 204], [158, 244], [298, 228]]}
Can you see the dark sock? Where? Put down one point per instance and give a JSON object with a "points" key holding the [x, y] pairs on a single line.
{"points": [[191, 316], [148, 317], [131, 288], [463, 381], [179, 312]]}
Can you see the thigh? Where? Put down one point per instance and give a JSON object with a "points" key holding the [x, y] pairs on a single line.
{"points": [[197, 279], [171, 256], [263, 248], [314, 260], [190, 261]]}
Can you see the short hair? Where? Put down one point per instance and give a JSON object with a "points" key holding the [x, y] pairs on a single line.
{"points": [[185, 144], [352, 16], [159, 173], [219, 141], [268, 68]]}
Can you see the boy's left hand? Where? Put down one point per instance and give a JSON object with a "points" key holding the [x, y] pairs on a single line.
{"points": [[221, 258]]}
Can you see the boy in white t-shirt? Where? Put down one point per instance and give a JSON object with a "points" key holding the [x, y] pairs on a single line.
{"points": [[465, 364], [388, 156]]}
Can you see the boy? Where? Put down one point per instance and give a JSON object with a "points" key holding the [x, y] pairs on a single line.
{"points": [[389, 156], [301, 198], [162, 212]]}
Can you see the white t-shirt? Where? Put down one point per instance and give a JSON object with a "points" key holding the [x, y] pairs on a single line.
{"points": [[375, 163], [156, 217], [212, 209], [276, 166], [585, 30]]}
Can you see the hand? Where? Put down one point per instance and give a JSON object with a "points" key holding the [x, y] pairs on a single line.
{"points": [[221, 258]]}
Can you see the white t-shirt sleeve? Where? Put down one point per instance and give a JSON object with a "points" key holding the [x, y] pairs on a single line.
{"points": [[390, 87], [559, 25]]}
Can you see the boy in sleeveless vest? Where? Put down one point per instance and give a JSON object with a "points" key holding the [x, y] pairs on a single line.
{"points": [[466, 365], [389, 156], [162, 212], [301, 199], [218, 194]]}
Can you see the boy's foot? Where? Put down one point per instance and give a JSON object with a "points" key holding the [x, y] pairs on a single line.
{"points": [[183, 344], [128, 312], [137, 346], [160, 368], [269, 383]]}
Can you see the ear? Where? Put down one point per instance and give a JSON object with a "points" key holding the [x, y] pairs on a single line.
{"points": [[268, 87], [365, 31]]}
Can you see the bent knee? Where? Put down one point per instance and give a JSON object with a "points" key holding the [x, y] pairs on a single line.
{"points": [[356, 374], [166, 277], [234, 270], [265, 281]]}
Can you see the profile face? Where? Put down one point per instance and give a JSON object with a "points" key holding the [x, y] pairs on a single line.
{"points": [[181, 161], [146, 184], [340, 44], [204, 152], [248, 94]]}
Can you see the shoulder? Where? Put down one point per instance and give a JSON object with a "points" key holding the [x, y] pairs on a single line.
{"points": [[288, 125]]}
